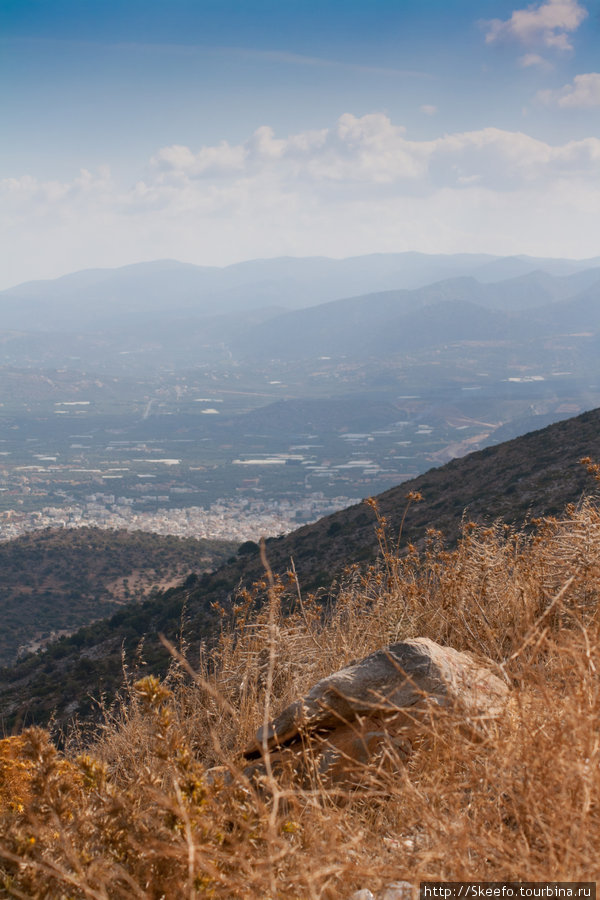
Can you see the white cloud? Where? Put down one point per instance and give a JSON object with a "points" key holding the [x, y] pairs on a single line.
{"points": [[370, 150], [428, 109], [26, 196], [534, 59], [583, 93], [209, 161], [549, 23], [361, 185]]}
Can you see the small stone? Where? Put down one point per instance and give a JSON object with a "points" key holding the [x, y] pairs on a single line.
{"points": [[364, 894]]}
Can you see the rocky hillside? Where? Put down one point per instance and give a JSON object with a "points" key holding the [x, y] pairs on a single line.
{"points": [[530, 476], [55, 581], [439, 724]]}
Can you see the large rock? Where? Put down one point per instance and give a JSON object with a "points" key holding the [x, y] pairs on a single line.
{"points": [[383, 701]]}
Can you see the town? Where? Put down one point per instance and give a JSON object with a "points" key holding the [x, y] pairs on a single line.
{"points": [[239, 520]]}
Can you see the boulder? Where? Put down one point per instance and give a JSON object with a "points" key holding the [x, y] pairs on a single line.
{"points": [[380, 703]]}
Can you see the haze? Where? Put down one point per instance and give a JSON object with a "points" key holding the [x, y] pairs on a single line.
{"points": [[220, 131]]}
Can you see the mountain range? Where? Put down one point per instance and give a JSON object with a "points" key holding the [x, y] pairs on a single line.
{"points": [[173, 315], [458, 309], [97, 298]]}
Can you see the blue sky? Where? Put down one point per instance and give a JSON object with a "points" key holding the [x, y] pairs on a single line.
{"points": [[218, 130]]}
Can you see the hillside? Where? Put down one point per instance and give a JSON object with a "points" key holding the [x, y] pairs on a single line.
{"points": [[60, 580], [533, 475], [138, 809]]}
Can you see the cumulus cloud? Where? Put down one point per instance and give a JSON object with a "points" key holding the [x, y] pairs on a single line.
{"points": [[371, 150], [583, 93], [428, 109], [367, 148], [548, 23], [361, 185]]}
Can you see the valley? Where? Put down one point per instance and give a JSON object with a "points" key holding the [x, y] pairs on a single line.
{"points": [[261, 447]]}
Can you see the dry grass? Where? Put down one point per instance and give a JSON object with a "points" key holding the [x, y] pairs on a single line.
{"points": [[135, 816]]}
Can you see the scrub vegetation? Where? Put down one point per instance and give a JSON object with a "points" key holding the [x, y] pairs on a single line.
{"points": [[130, 809]]}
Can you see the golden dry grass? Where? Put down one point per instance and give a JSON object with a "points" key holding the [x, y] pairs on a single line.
{"points": [[135, 816]]}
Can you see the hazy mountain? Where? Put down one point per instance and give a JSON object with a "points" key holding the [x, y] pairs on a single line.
{"points": [[458, 309], [581, 313], [98, 298], [536, 289], [536, 474], [514, 266]]}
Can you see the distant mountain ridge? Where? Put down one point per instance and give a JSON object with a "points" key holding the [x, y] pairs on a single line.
{"points": [[91, 298], [177, 316], [533, 475], [457, 309]]}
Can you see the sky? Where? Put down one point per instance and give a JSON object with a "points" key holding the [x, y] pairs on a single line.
{"points": [[213, 131]]}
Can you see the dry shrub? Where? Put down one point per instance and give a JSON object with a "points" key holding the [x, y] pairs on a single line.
{"points": [[15, 774], [137, 816]]}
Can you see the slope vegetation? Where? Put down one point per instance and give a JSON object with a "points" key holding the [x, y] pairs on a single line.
{"points": [[527, 477], [135, 815], [59, 580]]}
